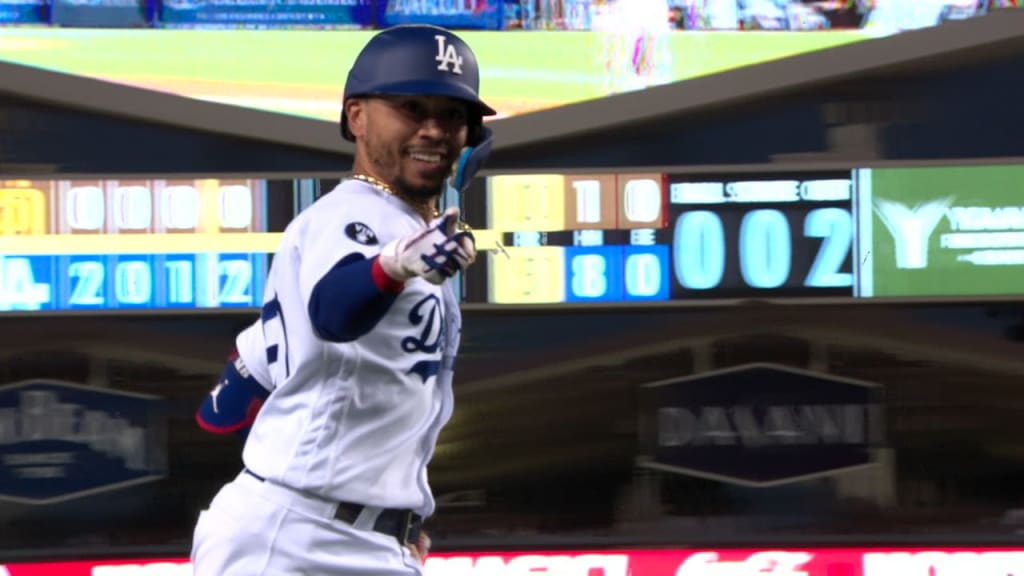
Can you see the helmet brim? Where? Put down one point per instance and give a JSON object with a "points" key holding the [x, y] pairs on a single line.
{"points": [[420, 88]]}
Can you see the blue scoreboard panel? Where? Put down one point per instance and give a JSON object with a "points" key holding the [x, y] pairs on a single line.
{"points": [[554, 238], [139, 244]]}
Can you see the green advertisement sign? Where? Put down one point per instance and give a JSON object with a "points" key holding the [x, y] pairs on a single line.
{"points": [[956, 231]]}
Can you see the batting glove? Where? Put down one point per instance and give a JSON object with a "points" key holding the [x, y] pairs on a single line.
{"points": [[434, 254]]}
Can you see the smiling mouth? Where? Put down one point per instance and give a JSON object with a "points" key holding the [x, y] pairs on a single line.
{"points": [[429, 158]]}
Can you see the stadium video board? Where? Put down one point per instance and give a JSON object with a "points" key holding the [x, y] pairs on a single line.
{"points": [[290, 57], [863, 233], [570, 239], [302, 72]]}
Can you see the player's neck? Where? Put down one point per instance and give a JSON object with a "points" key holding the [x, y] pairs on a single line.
{"points": [[426, 207]]}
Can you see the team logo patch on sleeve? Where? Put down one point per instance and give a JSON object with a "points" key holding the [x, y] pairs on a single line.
{"points": [[361, 233]]}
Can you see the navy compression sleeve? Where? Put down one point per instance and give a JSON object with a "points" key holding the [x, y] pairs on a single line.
{"points": [[351, 298], [233, 404]]}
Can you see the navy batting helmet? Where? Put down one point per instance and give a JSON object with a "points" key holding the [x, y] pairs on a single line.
{"points": [[417, 60]]}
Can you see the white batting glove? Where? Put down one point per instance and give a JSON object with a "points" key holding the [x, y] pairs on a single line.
{"points": [[434, 254]]}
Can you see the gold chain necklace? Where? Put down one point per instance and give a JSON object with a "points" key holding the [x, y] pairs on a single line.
{"points": [[383, 187], [462, 226]]}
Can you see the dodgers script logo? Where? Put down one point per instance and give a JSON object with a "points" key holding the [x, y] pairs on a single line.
{"points": [[428, 318], [447, 56]]}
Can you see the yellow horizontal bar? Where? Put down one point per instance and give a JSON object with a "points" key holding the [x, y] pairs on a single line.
{"points": [[254, 242], [486, 240], [75, 244]]}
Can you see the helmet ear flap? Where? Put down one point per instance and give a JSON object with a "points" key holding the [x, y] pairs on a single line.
{"points": [[475, 133], [471, 160]]}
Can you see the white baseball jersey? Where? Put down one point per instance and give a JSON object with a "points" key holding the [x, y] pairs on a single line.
{"points": [[253, 352], [354, 421]]}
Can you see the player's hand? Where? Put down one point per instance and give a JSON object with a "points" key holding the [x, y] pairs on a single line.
{"points": [[434, 254], [421, 548], [449, 220]]}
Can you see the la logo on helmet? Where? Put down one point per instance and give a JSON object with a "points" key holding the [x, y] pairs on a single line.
{"points": [[449, 60]]}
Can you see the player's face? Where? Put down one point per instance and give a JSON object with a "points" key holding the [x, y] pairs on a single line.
{"points": [[410, 141]]}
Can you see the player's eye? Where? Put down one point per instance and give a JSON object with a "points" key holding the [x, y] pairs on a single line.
{"points": [[414, 109], [451, 115], [455, 115]]}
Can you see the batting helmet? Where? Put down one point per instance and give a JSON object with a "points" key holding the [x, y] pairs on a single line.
{"points": [[420, 60]]}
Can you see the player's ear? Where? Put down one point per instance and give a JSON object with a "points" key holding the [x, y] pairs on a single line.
{"points": [[355, 114]]}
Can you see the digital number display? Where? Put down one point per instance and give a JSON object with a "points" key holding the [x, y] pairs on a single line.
{"points": [[131, 206], [146, 244], [552, 202], [659, 237], [132, 281], [109, 282], [742, 238], [762, 249], [617, 273]]}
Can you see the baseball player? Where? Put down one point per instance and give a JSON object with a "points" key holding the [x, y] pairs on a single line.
{"points": [[344, 383]]}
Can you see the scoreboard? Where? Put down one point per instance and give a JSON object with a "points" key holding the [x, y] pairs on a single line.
{"points": [[936, 232], [862, 233], [132, 244]]}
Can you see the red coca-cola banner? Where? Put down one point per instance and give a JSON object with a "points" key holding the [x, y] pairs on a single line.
{"points": [[748, 562]]}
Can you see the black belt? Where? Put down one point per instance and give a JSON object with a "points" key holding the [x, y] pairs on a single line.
{"points": [[404, 525]]}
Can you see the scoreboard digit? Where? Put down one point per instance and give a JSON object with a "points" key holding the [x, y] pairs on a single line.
{"points": [[19, 288], [234, 274], [22, 210], [645, 272], [834, 227], [594, 273], [532, 275], [526, 203], [132, 281], [179, 273], [85, 283]]}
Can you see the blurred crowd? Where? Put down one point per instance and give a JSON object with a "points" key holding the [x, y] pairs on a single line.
{"points": [[888, 15], [883, 16]]}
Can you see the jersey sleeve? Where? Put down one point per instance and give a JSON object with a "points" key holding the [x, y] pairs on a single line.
{"points": [[253, 351], [345, 291], [355, 231]]}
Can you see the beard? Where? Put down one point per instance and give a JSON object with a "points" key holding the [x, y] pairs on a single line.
{"points": [[389, 164], [417, 192]]}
